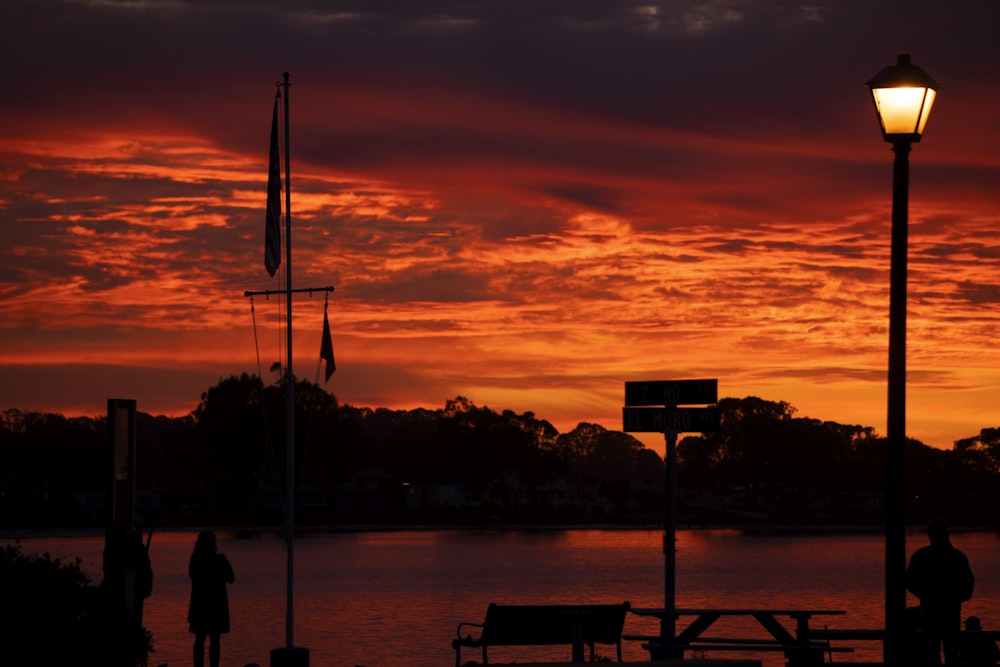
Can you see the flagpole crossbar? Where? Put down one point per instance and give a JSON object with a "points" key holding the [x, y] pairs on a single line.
{"points": [[269, 292]]}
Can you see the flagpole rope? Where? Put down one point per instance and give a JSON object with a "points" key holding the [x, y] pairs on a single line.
{"points": [[283, 298], [280, 316], [268, 439], [312, 413]]}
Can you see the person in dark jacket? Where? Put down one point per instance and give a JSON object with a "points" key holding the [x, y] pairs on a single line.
{"points": [[208, 613], [940, 577]]}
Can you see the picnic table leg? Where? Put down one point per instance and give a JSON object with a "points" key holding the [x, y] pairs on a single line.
{"points": [[696, 627], [660, 651], [578, 642], [802, 654]]}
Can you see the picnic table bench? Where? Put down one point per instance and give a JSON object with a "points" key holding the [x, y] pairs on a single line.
{"points": [[912, 642], [574, 625], [803, 645]]}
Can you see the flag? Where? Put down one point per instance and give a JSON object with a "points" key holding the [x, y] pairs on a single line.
{"points": [[272, 229], [326, 348]]}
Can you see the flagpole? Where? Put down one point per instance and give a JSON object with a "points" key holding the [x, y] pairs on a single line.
{"points": [[289, 397], [289, 656]]}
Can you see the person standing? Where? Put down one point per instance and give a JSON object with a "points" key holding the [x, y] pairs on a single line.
{"points": [[208, 613], [940, 577]]}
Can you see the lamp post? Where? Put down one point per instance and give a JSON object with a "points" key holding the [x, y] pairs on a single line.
{"points": [[903, 96]]}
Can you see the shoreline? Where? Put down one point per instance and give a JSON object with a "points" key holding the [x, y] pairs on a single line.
{"points": [[13, 535]]}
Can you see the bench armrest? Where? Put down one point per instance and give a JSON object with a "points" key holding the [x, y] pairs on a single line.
{"points": [[467, 624]]}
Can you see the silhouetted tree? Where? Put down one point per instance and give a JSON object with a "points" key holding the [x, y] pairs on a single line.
{"points": [[234, 427], [233, 443], [600, 454], [981, 452], [402, 441], [479, 446], [744, 447], [49, 458], [698, 460], [317, 427], [168, 453]]}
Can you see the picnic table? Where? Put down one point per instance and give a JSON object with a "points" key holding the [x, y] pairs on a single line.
{"points": [[798, 643]]}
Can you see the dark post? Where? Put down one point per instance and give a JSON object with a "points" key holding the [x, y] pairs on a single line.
{"points": [[290, 655], [289, 395], [128, 577], [668, 625], [895, 517]]}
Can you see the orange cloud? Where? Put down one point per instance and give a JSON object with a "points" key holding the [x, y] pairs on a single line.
{"points": [[701, 195]]}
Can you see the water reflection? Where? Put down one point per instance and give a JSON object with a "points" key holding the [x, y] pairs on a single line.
{"points": [[395, 598]]}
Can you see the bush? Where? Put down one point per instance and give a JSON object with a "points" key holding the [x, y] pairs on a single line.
{"points": [[52, 615]]}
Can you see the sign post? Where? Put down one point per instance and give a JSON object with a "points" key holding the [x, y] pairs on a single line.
{"points": [[654, 407]]}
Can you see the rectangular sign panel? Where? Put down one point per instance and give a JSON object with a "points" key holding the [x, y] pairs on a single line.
{"points": [[677, 420], [672, 392]]}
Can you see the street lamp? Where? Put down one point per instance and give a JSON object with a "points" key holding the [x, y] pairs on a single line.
{"points": [[903, 95]]}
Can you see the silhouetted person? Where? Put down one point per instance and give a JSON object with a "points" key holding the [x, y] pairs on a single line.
{"points": [[976, 648], [940, 576], [208, 613], [917, 646]]}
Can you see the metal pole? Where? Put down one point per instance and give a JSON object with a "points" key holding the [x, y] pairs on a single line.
{"points": [[895, 518], [301, 290], [289, 396], [668, 624]]}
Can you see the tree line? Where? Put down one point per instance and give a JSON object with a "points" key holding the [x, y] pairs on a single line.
{"points": [[223, 464]]}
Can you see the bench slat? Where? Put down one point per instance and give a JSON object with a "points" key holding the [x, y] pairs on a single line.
{"points": [[768, 647], [846, 634], [708, 640], [756, 647]]}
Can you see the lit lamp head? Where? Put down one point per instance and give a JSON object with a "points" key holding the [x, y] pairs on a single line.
{"points": [[903, 95]]}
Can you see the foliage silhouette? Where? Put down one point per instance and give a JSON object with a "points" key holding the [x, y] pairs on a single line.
{"points": [[53, 616], [224, 464]]}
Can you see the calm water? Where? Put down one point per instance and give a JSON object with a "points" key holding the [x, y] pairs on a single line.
{"points": [[395, 598]]}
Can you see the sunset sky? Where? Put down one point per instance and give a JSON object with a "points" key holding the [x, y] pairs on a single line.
{"points": [[524, 203]]}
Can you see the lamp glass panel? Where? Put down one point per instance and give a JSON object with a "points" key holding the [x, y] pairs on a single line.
{"points": [[904, 110], [926, 112]]}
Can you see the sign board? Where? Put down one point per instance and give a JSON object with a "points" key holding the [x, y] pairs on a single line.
{"points": [[677, 420], [121, 461], [672, 392]]}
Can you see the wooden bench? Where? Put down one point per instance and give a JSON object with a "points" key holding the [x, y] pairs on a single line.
{"points": [[575, 625]]}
